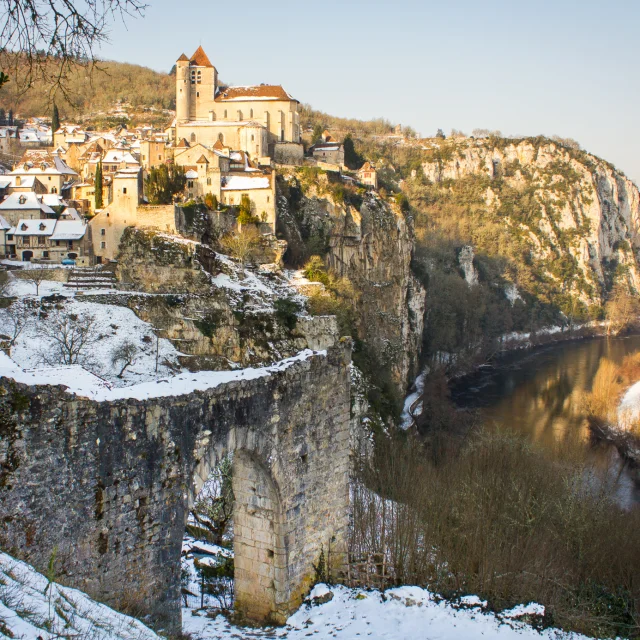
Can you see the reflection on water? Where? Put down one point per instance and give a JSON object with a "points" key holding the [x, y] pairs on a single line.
{"points": [[539, 395]]}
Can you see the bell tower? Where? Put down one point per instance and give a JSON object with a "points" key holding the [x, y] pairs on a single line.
{"points": [[183, 89]]}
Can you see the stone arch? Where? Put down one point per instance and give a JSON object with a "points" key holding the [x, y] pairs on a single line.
{"points": [[262, 588]]}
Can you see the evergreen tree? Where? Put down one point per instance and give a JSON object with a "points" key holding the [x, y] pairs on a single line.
{"points": [[352, 158], [317, 134], [55, 118], [3, 116], [98, 190], [440, 134], [164, 182], [10, 122]]}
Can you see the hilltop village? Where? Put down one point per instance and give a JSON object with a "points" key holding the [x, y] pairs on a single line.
{"points": [[66, 196]]}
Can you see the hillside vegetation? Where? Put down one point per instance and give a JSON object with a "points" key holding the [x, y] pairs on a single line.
{"points": [[90, 91]]}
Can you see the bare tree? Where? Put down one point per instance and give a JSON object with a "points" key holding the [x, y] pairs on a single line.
{"points": [[213, 508], [124, 354], [622, 310], [16, 320], [46, 39], [242, 244], [72, 337], [5, 284], [36, 277]]}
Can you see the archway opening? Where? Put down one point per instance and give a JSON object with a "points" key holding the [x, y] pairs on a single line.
{"points": [[234, 554], [27, 255]]}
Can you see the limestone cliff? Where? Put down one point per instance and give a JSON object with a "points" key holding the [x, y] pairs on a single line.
{"points": [[578, 207], [370, 242]]}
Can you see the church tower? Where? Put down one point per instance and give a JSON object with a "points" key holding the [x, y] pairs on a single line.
{"points": [[196, 86], [183, 89]]}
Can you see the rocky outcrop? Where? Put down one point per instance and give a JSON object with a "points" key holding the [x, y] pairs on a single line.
{"points": [[581, 206], [218, 314], [465, 260], [371, 243]]}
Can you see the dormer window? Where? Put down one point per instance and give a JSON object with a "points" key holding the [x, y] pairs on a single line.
{"points": [[42, 227], [23, 227], [22, 199]]}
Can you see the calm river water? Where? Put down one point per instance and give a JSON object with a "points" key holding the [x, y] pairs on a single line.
{"points": [[538, 395]]}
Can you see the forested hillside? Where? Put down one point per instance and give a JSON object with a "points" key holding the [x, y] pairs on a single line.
{"points": [[90, 91]]}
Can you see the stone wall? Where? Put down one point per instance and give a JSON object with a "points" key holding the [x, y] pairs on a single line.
{"points": [[106, 486], [160, 217]]}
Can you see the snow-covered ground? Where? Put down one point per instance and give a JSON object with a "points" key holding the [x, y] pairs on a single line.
{"points": [[32, 608], [405, 613]]}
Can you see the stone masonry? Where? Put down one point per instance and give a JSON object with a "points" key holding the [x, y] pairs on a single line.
{"points": [[106, 486]]}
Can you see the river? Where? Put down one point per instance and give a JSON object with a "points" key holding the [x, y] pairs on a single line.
{"points": [[538, 395]]}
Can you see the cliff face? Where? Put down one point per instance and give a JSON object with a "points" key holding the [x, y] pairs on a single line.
{"points": [[579, 205], [371, 244]]}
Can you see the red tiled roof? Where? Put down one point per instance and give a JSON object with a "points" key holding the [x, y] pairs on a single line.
{"points": [[183, 144], [199, 58], [182, 58], [202, 160], [275, 92]]}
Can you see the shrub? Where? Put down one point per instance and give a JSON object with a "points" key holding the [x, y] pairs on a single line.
{"points": [[287, 310]]}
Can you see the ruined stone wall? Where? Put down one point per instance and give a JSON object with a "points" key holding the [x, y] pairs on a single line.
{"points": [[106, 486]]}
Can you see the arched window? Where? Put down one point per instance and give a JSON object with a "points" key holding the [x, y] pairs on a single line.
{"points": [[251, 113], [221, 137], [193, 137], [253, 138], [225, 114]]}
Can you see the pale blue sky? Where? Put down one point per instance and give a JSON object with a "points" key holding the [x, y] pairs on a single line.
{"points": [[566, 67]]}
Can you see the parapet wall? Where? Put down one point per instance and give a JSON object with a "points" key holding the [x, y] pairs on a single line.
{"points": [[105, 486]]}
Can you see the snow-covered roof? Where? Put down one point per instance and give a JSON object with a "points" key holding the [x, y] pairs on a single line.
{"points": [[71, 214], [4, 183], [119, 155], [4, 224], [243, 183], [52, 199], [28, 201], [69, 230], [326, 148], [253, 93], [35, 227], [191, 174]]}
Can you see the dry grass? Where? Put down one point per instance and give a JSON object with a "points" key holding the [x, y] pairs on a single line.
{"points": [[498, 518]]}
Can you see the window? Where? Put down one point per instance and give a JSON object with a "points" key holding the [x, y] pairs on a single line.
{"points": [[208, 181], [22, 200], [124, 190], [221, 138], [49, 178], [197, 93], [281, 135], [70, 244], [159, 157], [190, 184], [268, 198], [253, 138], [193, 137], [144, 157], [42, 226], [54, 190], [225, 114], [45, 254], [251, 113], [103, 232], [103, 245], [57, 243]]}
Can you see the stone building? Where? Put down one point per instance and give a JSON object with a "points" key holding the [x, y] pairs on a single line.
{"points": [[329, 152], [261, 120], [52, 240], [50, 169], [368, 175]]}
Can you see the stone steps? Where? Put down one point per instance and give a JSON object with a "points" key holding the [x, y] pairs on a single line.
{"points": [[91, 278]]}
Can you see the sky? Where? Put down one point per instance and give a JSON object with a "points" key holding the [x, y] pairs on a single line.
{"points": [[560, 67]]}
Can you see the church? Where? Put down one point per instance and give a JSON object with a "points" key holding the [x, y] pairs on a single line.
{"points": [[263, 120]]}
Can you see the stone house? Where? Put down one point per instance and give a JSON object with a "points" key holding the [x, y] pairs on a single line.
{"points": [[368, 175], [328, 152], [50, 169], [24, 206], [153, 153], [259, 187], [53, 240]]}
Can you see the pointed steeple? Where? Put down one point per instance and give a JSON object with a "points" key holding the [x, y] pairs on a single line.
{"points": [[200, 59], [182, 58]]}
